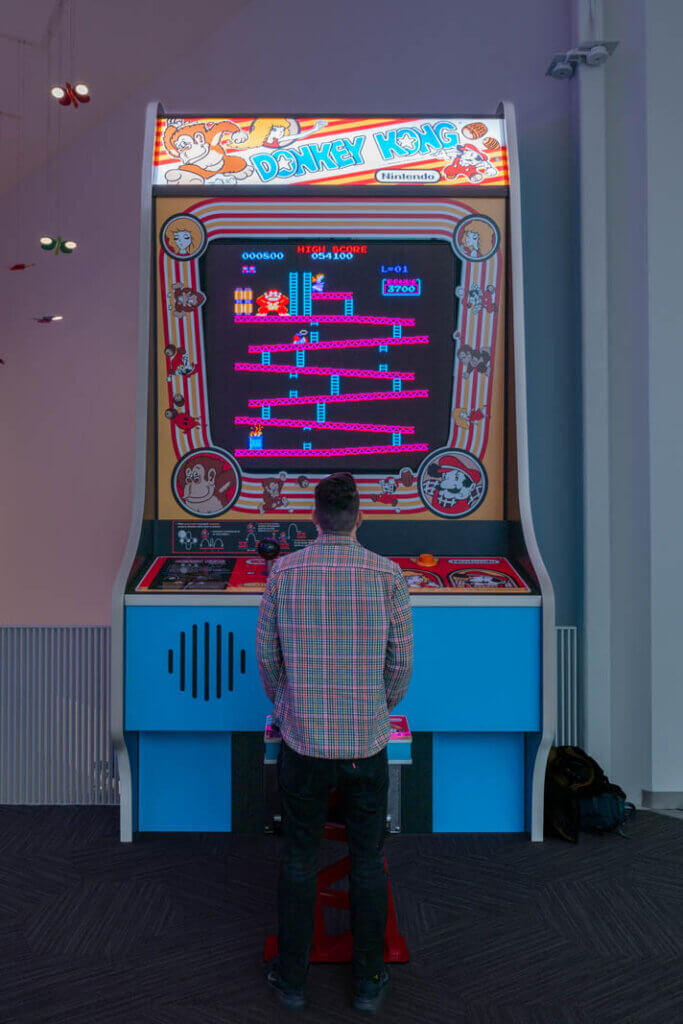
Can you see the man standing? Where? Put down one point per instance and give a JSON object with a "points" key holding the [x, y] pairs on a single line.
{"points": [[334, 646]]}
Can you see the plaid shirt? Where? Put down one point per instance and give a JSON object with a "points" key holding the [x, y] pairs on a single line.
{"points": [[334, 645]]}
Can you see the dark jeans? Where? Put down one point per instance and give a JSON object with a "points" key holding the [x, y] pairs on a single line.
{"points": [[362, 785]]}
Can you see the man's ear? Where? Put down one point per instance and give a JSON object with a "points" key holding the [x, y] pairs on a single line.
{"points": [[359, 518]]}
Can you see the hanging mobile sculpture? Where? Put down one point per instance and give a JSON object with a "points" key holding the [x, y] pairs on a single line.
{"points": [[71, 95], [58, 244]]}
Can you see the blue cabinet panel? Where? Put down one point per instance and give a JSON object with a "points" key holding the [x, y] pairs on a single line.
{"points": [[476, 669], [193, 668], [478, 782], [185, 782]]}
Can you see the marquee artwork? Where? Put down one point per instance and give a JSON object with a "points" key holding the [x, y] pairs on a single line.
{"points": [[268, 151]]}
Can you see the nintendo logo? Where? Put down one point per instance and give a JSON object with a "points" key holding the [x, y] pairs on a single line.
{"points": [[402, 177]]}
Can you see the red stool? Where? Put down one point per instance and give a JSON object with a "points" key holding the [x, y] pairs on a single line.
{"points": [[339, 948]]}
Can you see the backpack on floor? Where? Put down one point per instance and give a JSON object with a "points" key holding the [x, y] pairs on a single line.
{"points": [[580, 797]]}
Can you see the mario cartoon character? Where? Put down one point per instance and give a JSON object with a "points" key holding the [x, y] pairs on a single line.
{"points": [[469, 163], [387, 494], [479, 579], [473, 298], [300, 338], [183, 300], [178, 362], [485, 579], [488, 299], [388, 487], [207, 541], [198, 147], [419, 580], [453, 484], [272, 301], [467, 418], [272, 494]]}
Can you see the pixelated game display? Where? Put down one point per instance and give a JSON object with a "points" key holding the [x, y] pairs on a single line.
{"points": [[329, 354]]}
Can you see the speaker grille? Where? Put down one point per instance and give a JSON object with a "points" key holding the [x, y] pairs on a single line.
{"points": [[206, 661]]}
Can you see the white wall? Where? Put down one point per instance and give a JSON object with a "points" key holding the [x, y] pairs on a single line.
{"points": [[664, 89], [67, 390], [627, 419], [645, 154]]}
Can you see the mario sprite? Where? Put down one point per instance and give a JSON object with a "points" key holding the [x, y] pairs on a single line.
{"points": [[179, 363], [453, 487]]}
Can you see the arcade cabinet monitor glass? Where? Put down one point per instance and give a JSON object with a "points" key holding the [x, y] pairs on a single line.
{"points": [[257, 404]]}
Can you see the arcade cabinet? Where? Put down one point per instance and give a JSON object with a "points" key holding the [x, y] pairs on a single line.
{"points": [[319, 294]]}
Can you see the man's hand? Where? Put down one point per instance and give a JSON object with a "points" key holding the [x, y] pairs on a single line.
{"points": [[398, 664], [268, 650]]}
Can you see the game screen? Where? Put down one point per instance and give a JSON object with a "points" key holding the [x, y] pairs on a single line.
{"points": [[340, 348]]}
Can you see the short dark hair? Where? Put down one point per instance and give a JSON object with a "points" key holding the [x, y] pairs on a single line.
{"points": [[336, 503]]}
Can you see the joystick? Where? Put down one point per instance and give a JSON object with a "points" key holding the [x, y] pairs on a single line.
{"points": [[427, 559], [268, 550]]}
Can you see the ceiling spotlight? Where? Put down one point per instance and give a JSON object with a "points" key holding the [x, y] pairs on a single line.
{"points": [[68, 246], [592, 55], [48, 242], [83, 92], [46, 319], [561, 67], [597, 55]]}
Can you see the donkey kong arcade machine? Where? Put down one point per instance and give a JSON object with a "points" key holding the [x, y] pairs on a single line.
{"points": [[320, 294]]}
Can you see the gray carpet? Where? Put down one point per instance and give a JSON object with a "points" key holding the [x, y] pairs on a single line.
{"points": [[170, 930]]}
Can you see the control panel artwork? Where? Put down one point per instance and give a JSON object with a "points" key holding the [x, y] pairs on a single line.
{"points": [[429, 573], [424, 573]]}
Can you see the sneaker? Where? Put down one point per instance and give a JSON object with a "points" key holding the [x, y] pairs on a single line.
{"points": [[370, 992], [290, 998]]}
